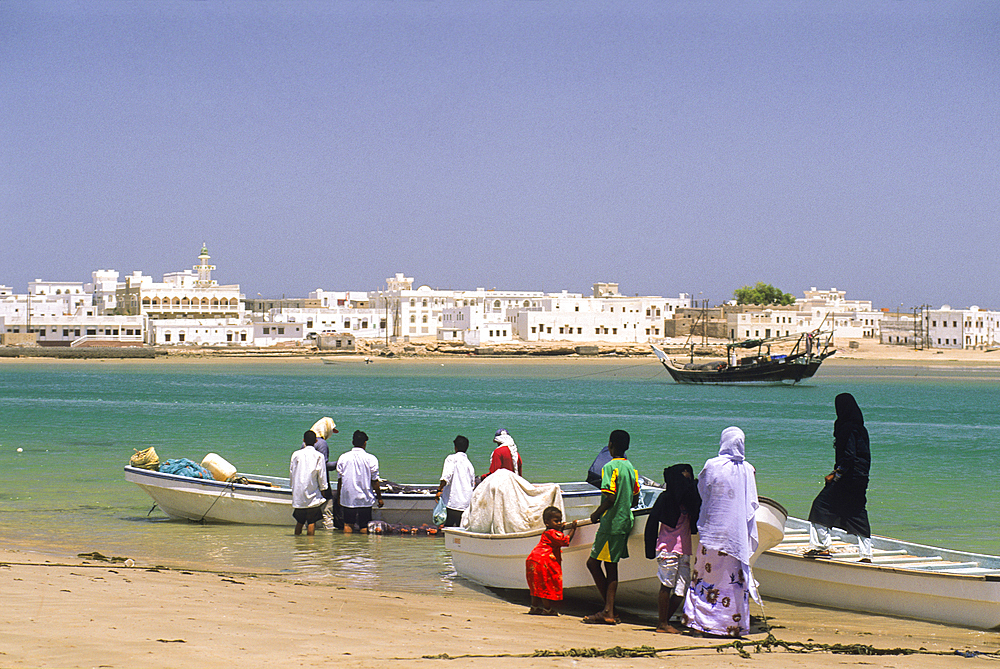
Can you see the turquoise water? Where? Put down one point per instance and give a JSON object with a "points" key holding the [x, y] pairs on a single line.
{"points": [[933, 431]]}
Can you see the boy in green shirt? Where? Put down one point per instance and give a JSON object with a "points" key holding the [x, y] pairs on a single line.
{"points": [[620, 492]]}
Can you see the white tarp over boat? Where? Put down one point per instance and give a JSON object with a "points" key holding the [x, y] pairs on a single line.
{"points": [[505, 503]]}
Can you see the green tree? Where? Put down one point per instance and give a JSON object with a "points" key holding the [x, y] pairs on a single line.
{"points": [[763, 294]]}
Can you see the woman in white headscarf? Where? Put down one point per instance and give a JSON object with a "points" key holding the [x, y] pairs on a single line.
{"points": [[718, 599], [505, 455]]}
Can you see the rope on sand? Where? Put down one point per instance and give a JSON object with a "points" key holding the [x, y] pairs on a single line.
{"points": [[742, 648]]}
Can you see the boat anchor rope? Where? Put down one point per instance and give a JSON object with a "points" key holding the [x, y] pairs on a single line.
{"points": [[230, 485]]}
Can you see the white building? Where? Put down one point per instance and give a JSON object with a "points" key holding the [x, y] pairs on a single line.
{"points": [[616, 319], [419, 312], [333, 299], [362, 322], [498, 316], [831, 300], [200, 332], [78, 329], [185, 294], [475, 325], [900, 330], [484, 316], [103, 289], [276, 334], [821, 309], [61, 314], [193, 307], [961, 328], [772, 322]]}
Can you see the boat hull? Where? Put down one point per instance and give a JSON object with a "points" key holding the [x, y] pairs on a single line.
{"points": [[775, 371], [201, 500], [498, 560], [765, 373], [907, 580]]}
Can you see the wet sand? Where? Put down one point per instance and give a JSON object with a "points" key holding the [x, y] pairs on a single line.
{"points": [[69, 612]]}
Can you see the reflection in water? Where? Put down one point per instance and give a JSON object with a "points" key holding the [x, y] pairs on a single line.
{"points": [[416, 564], [403, 563]]}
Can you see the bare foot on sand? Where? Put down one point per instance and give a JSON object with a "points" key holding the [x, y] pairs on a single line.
{"points": [[668, 629]]}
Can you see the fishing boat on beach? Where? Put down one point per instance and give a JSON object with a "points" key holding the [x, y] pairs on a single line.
{"points": [[256, 499], [497, 560], [904, 579], [802, 356]]}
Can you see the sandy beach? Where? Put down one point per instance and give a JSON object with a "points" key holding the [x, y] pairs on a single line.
{"points": [[848, 352], [73, 612]]}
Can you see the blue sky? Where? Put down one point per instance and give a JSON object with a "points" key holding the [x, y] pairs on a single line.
{"points": [[533, 145]]}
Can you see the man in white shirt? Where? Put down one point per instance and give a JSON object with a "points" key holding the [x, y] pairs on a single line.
{"points": [[310, 487], [458, 478], [357, 485]]}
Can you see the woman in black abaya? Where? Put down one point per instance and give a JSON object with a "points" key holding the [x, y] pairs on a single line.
{"points": [[843, 499]]}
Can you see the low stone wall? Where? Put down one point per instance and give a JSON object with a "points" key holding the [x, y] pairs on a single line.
{"points": [[80, 353], [17, 338]]}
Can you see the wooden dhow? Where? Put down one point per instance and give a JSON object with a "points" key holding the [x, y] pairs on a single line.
{"points": [[805, 352]]}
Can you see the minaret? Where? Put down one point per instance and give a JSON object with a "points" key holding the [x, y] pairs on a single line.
{"points": [[204, 269]]}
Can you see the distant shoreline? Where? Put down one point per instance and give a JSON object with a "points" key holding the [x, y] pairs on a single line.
{"points": [[866, 353]]}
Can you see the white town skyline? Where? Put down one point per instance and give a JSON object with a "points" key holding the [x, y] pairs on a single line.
{"points": [[673, 147]]}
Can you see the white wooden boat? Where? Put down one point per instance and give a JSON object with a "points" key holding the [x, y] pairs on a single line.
{"points": [[267, 500], [905, 579], [497, 560]]}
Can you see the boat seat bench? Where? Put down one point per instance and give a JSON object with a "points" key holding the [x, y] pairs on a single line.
{"points": [[890, 558]]}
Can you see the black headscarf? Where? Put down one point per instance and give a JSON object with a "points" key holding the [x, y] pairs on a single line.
{"points": [[849, 416], [680, 493]]}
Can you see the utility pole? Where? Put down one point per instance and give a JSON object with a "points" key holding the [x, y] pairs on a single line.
{"points": [[704, 322], [385, 303]]}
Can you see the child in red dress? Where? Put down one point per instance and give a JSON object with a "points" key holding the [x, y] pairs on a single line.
{"points": [[543, 567]]}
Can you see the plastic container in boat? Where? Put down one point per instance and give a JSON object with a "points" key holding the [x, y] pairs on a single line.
{"points": [[221, 470]]}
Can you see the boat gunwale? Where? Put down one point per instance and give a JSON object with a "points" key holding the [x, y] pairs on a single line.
{"points": [[761, 500], [914, 550], [209, 483], [642, 511], [834, 563], [429, 492], [492, 536]]}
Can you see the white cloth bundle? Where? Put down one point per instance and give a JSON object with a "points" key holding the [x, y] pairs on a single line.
{"points": [[505, 503], [323, 427]]}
